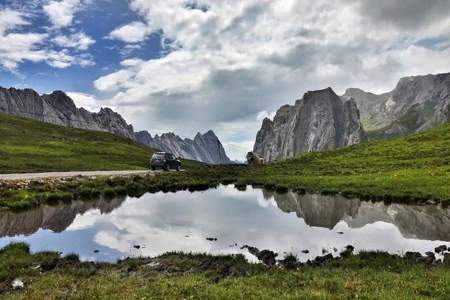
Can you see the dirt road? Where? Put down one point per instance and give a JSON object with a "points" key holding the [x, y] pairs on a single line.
{"points": [[36, 176]]}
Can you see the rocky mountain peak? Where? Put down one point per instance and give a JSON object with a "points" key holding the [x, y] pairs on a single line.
{"points": [[58, 108], [320, 121], [416, 103]]}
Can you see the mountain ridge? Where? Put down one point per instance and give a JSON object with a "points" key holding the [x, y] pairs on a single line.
{"points": [[59, 109], [319, 121], [415, 104]]}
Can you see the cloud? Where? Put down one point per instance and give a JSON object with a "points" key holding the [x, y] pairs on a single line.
{"points": [[61, 12], [87, 101], [19, 44], [410, 15], [79, 41], [231, 61], [134, 32]]}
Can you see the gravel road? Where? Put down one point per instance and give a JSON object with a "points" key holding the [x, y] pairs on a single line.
{"points": [[35, 176]]}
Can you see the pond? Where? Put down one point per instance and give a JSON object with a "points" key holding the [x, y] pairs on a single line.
{"points": [[103, 230]]}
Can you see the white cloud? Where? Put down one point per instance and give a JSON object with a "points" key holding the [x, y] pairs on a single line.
{"points": [[264, 114], [18, 45], [62, 12], [88, 102], [134, 32], [234, 60], [80, 41]]}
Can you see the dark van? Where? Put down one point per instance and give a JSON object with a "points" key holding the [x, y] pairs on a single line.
{"points": [[166, 161]]}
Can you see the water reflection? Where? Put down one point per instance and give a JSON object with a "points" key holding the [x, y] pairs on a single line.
{"points": [[182, 222], [421, 222], [54, 218]]}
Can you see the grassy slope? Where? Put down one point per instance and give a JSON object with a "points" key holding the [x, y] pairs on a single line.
{"points": [[184, 276], [416, 166], [413, 169], [30, 146]]}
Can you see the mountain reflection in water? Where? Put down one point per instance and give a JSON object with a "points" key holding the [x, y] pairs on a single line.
{"points": [[422, 222], [182, 221]]}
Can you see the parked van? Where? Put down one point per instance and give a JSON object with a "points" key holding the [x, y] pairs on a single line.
{"points": [[166, 161]]}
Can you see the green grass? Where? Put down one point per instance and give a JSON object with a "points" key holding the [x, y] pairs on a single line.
{"points": [[368, 275], [30, 146], [411, 168], [27, 146]]}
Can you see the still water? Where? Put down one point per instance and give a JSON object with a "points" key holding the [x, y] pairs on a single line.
{"points": [[157, 223]]}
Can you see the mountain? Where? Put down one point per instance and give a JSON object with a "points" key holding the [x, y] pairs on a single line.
{"points": [[417, 103], [55, 218], [206, 148], [320, 121], [426, 222], [59, 109]]}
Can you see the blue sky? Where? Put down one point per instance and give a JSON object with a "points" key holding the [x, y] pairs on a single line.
{"points": [[96, 20], [193, 65]]}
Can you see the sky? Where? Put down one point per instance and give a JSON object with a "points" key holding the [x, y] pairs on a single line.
{"points": [[185, 66]]}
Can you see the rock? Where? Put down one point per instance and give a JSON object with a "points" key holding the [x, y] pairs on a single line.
{"points": [[430, 255], [137, 247], [320, 260], [49, 265], [447, 259], [350, 248], [254, 159], [440, 249], [267, 257], [211, 239], [205, 148], [417, 103], [413, 255], [320, 121], [18, 284], [96, 251], [305, 251], [58, 108]]}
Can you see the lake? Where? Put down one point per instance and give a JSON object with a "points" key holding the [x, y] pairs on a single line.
{"points": [[103, 230]]}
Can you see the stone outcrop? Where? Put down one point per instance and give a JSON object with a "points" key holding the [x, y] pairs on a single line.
{"points": [[417, 103], [59, 109], [320, 121], [204, 147]]}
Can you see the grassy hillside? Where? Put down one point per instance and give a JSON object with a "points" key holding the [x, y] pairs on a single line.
{"points": [[368, 275], [413, 166], [411, 169], [30, 146]]}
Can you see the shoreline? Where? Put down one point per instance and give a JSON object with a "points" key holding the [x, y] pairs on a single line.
{"points": [[378, 274]]}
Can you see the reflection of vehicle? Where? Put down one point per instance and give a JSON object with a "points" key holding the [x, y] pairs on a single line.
{"points": [[165, 161]]}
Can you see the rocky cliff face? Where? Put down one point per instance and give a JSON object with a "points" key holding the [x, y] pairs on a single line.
{"points": [[417, 103], [320, 121], [206, 148], [58, 108]]}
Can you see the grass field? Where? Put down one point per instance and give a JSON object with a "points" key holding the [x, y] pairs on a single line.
{"points": [[412, 169], [28, 146], [416, 166], [368, 275]]}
